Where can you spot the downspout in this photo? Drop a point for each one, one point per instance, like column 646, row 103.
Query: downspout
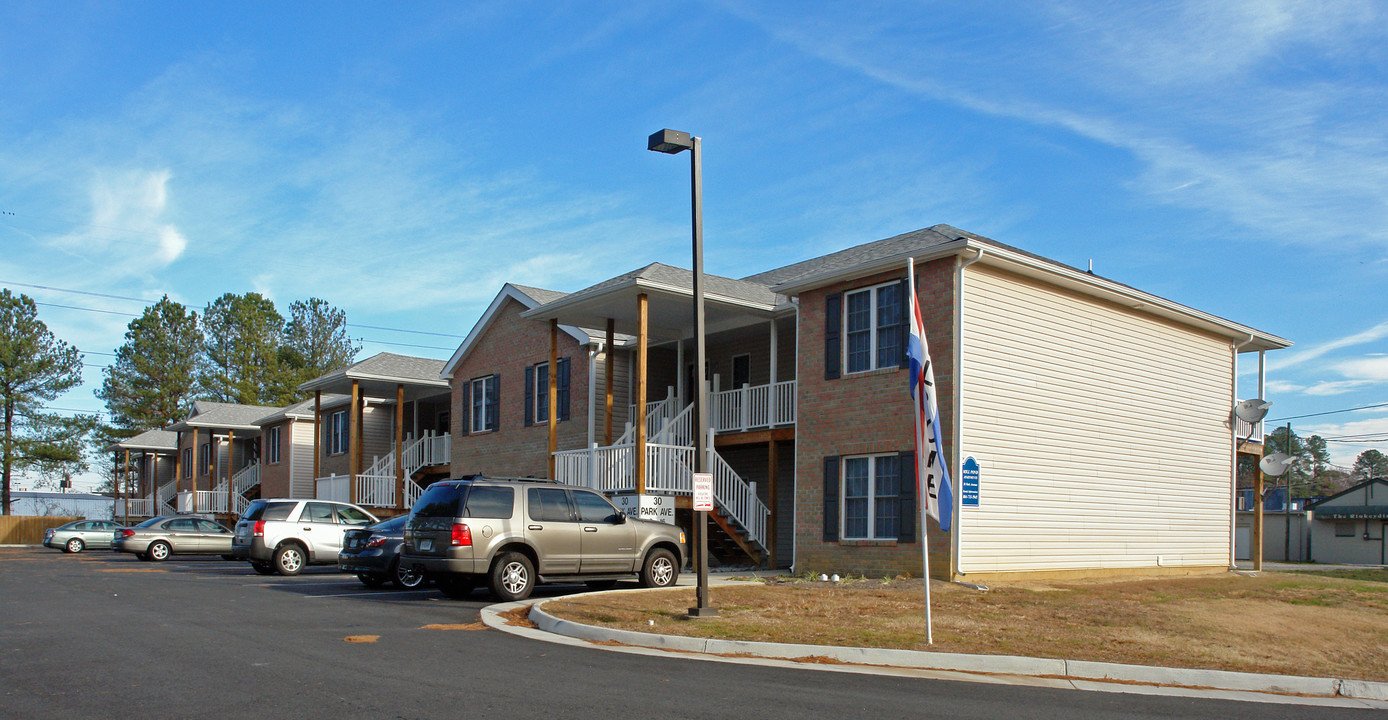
column 1234, row 458
column 956, row 459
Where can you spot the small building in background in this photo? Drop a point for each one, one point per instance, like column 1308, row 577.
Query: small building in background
column 56, row 504
column 1349, row 527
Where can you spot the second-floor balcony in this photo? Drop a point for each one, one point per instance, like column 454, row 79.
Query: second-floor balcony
column 752, row 407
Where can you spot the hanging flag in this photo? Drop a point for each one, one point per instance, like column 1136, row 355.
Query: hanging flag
column 932, row 474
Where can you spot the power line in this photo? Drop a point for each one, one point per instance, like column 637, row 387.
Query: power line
column 1328, row 412
column 95, row 310
column 145, row 300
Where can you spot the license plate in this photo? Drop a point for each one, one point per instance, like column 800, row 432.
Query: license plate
column 426, row 544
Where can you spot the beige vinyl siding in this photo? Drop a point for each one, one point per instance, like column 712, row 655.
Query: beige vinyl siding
column 378, row 433
column 1102, row 433
column 300, row 454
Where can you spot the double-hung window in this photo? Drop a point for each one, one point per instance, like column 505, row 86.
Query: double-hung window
column 537, row 392
column 272, row 445
column 205, row 453
column 187, row 462
column 482, row 414
column 871, row 493
column 873, row 323
column 337, row 433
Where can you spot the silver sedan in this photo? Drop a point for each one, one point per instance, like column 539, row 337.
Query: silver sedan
column 158, row 538
column 77, row 536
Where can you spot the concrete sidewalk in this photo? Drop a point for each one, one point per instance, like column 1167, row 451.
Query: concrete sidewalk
column 1072, row 674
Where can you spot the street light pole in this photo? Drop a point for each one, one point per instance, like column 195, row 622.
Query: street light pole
column 673, row 142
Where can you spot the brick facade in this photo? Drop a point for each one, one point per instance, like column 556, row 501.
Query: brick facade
column 510, row 345
column 863, row 413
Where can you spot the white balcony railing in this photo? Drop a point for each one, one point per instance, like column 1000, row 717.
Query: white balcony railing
column 168, row 494
column 372, row 490
column 752, row 407
column 1248, row 432
column 246, row 478
column 203, row 501
column 334, row 487
column 134, row 507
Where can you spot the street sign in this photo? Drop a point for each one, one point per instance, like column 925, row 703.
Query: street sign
column 703, row 492
column 647, row 507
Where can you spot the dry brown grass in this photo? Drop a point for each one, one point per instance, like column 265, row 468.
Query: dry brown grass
column 1283, row 623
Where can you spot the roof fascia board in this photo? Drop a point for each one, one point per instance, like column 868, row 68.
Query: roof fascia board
column 508, row 292
column 441, row 383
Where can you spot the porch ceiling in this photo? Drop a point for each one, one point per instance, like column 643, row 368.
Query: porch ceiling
column 382, row 388
column 671, row 312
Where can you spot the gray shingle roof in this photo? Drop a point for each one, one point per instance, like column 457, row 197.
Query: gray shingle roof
column 398, row 366
column 916, row 240
column 150, row 440
column 216, row 414
column 681, row 278
column 539, row 295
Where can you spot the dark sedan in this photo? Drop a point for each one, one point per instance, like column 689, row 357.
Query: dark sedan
column 158, row 538
column 373, row 553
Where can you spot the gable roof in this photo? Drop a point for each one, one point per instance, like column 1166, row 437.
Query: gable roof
column 530, row 298
column 944, row 241
column 223, row 416
column 1348, row 508
column 150, row 440
column 303, row 410
column 386, row 367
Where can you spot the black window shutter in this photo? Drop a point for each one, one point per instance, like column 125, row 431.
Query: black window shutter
column 831, row 498
column 833, row 330
column 905, row 315
column 494, row 402
column 563, row 384
column 906, row 504
column 529, row 395
column 466, row 414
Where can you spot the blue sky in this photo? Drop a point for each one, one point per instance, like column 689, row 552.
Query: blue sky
column 402, row 161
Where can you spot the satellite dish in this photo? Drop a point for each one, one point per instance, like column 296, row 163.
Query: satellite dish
column 1276, row 464
column 1252, row 411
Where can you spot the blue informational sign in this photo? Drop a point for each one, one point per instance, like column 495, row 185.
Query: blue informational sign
column 968, row 485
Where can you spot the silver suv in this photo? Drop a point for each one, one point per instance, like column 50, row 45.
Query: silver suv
column 512, row 533
column 284, row 535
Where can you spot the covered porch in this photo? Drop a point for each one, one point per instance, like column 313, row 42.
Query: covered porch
column 218, row 460
column 144, row 475
column 397, row 415
column 749, row 376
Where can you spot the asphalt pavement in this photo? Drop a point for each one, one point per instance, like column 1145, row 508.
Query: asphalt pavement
column 102, row 635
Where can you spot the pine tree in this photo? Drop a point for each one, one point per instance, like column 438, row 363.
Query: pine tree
column 35, row 367
column 1370, row 464
column 241, row 342
column 152, row 382
column 315, row 343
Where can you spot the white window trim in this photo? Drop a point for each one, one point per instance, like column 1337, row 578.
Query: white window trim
column 536, row 385
column 477, row 415
column 272, row 446
column 871, row 496
column 337, row 433
column 872, row 328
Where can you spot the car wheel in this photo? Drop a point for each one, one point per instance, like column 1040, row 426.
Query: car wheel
column 263, row 568
column 75, row 545
column 660, row 570
column 405, row 577
column 289, row 559
column 456, row 587
column 600, row 584
column 512, row 577
column 159, row 550
column 371, row 581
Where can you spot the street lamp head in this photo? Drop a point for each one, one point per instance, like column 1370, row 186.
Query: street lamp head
column 669, row 141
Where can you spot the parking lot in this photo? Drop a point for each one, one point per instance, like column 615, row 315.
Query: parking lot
column 99, row 634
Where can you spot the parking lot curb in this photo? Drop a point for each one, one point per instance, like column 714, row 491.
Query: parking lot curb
column 1089, row 673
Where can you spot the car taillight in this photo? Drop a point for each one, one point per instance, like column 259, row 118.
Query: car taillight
column 126, row 533
column 259, row 529
column 462, row 535
column 375, row 541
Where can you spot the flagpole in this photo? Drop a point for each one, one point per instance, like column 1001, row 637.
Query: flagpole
column 922, row 492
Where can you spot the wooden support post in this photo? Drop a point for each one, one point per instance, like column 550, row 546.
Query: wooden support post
column 231, row 469
column 399, row 446
column 317, row 435
column 772, row 462
column 642, row 342
column 610, row 359
column 124, row 475
column 178, row 466
column 354, row 441
column 553, row 393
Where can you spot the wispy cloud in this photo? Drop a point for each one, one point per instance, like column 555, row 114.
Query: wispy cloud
column 1290, row 359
